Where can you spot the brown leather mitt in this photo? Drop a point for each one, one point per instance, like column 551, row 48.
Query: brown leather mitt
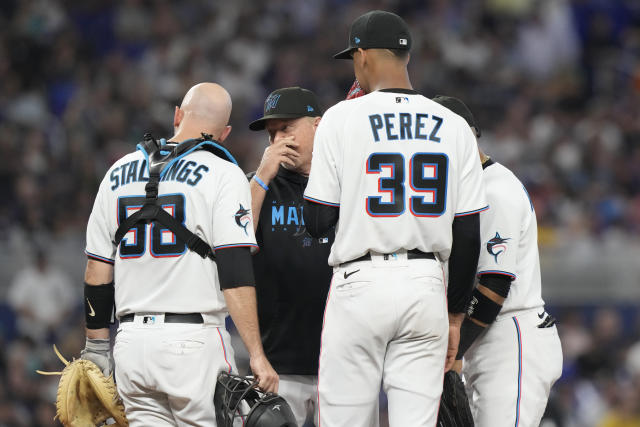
column 85, row 396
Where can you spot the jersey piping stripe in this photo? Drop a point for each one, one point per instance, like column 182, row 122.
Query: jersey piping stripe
column 324, row 318
column 236, row 245
column 472, row 212
column 99, row 258
column 504, row 273
column 446, row 303
column 515, row 321
column 224, row 350
column 321, row 202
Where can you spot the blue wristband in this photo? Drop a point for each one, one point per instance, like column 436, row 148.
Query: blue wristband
column 260, row 183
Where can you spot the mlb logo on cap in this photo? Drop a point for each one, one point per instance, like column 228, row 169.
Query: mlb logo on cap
column 403, row 42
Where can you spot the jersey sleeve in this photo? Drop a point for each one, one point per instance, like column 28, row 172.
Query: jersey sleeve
column 232, row 217
column 500, row 235
column 100, row 245
column 324, row 184
column 471, row 197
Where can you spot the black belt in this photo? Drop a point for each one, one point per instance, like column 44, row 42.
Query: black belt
column 169, row 317
column 411, row 254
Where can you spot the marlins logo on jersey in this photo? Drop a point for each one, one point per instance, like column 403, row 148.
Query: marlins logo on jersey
column 243, row 218
column 497, row 245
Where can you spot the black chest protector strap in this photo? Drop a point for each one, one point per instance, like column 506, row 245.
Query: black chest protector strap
column 159, row 159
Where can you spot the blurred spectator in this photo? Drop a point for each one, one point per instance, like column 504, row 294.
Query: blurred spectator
column 42, row 297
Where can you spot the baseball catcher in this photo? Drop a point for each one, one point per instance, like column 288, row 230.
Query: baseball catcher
column 85, row 396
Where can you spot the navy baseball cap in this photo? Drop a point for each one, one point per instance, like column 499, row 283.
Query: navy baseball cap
column 377, row 30
column 288, row 103
column 458, row 107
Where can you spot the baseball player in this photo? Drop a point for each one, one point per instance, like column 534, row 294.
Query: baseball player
column 400, row 176
column 171, row 293
column 292, row 275
column 511, row 348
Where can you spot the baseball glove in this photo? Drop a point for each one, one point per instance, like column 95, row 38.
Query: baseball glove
column 454, row 405
column 85, row 396
column 355, row 91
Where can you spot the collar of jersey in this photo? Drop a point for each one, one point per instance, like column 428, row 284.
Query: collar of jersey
column 226, row 155
column 291, row 175
column 488, row 163
column 399, row 90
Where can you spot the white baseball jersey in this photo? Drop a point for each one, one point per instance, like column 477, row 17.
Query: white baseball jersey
column 400, row 167
column 509, row 232
column 153, row 271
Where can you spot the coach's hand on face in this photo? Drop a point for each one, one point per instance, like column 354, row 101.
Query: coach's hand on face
column 282, row 150
column 264, row 372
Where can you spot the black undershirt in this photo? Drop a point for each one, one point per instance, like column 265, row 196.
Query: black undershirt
column 292, row 278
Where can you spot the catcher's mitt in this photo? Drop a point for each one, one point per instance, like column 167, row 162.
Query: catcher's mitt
column 454, row 405
column 85, row 396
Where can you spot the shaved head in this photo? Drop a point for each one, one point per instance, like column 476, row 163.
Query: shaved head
column 207, row 107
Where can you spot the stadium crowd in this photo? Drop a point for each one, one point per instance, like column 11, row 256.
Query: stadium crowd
column 554, row 85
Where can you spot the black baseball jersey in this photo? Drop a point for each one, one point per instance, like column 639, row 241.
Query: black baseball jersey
column 292, row 278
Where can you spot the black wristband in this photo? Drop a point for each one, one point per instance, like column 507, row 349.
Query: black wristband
column 483, row 308
column 99, row 305
column 469, row 332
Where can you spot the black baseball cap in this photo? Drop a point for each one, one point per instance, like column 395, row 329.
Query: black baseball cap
column 288, row 103
column 377, row 30
column 458, row 107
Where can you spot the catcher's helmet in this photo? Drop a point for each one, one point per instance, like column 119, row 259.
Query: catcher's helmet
column 237, row 397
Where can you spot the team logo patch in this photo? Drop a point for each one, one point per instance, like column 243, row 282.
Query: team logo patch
column 271, row 102
column 497, row 245
column 243, row 218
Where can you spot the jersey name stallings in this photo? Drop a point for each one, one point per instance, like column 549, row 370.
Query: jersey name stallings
column 181, row 171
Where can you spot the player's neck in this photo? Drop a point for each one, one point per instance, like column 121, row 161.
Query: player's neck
column 483, row 158
column 394, row 79
column 185, row 133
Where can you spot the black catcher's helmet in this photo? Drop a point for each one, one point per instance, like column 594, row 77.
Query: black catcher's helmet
column 237, row 397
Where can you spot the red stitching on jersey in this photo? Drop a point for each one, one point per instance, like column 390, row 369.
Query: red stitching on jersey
column 224, row 350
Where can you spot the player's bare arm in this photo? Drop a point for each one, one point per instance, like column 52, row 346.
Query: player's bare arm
column 237, row 283
column 98, row 304
column 281, row 151
column 242, row 306
column 455, row 322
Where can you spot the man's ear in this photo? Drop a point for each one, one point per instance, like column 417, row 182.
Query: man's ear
column 225, row 133
column 363, row 56
column 316, row 122
column 178, row 115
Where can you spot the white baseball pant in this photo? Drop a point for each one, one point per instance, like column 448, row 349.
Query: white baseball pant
column 510, row 369
column 301, row 393
column 166, row 372
column 385, row 323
